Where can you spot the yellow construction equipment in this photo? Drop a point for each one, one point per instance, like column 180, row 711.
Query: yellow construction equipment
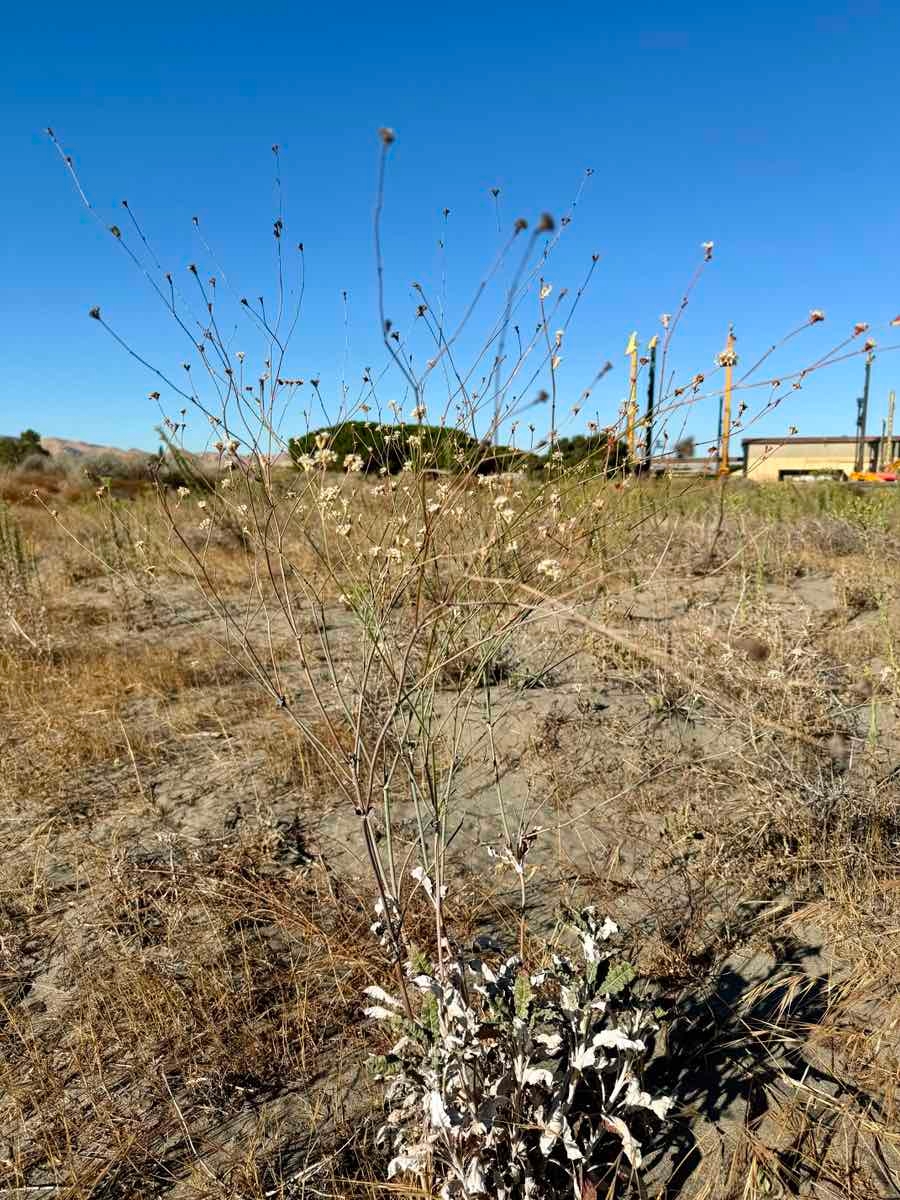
column 887, row 474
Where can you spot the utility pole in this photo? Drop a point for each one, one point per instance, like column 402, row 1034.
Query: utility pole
column 651, row 399
column 631, row 410
column 727, row 359
column 862, row 413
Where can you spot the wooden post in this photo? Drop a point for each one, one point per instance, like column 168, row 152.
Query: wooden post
column 887, row 442
column 727, row 359
column 631, row 412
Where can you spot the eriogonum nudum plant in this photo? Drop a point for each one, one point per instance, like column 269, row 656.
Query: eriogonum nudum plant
column 511, row 1084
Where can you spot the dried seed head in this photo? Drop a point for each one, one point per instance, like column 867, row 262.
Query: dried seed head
column 816, row 315
column 839, row 748
column 94, row 313
column 754, row 647
column 546, row 224
column 520, row 224
column 707, row 248
column 115, row 231
column 387, row 135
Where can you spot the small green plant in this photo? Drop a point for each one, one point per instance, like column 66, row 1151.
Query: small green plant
column 16, row 564
column 21, row 602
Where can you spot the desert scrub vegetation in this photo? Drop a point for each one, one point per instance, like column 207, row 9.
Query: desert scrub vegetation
column 187, row 895
column 317, row 731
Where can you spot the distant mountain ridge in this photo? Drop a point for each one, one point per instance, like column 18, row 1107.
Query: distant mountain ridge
column 70, row 447
column 73, row 449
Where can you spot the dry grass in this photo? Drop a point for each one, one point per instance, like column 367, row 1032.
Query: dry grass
column 184, row 912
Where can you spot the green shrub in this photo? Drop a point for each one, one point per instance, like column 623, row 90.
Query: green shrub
column 387, row 447
column 14, row 451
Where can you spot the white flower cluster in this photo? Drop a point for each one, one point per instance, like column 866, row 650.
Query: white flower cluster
column 322, row 457
column 551, row 568
column 503, row 510
column 516, row 1085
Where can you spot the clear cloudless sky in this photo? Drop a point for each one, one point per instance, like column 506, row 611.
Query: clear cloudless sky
column 769, row 127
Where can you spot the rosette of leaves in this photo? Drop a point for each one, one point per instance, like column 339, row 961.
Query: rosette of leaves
column 512, row 1084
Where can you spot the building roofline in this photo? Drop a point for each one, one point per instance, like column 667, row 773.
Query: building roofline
column 808, row 441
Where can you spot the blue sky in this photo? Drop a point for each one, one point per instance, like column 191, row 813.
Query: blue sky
column 769, row 128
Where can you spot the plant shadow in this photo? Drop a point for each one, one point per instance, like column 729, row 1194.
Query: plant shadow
column 729, row 1052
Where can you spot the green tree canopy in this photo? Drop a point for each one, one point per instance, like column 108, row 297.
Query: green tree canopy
column 14, row 450
column 388, row 447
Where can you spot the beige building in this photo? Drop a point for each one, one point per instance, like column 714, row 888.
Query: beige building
column 767, row 459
